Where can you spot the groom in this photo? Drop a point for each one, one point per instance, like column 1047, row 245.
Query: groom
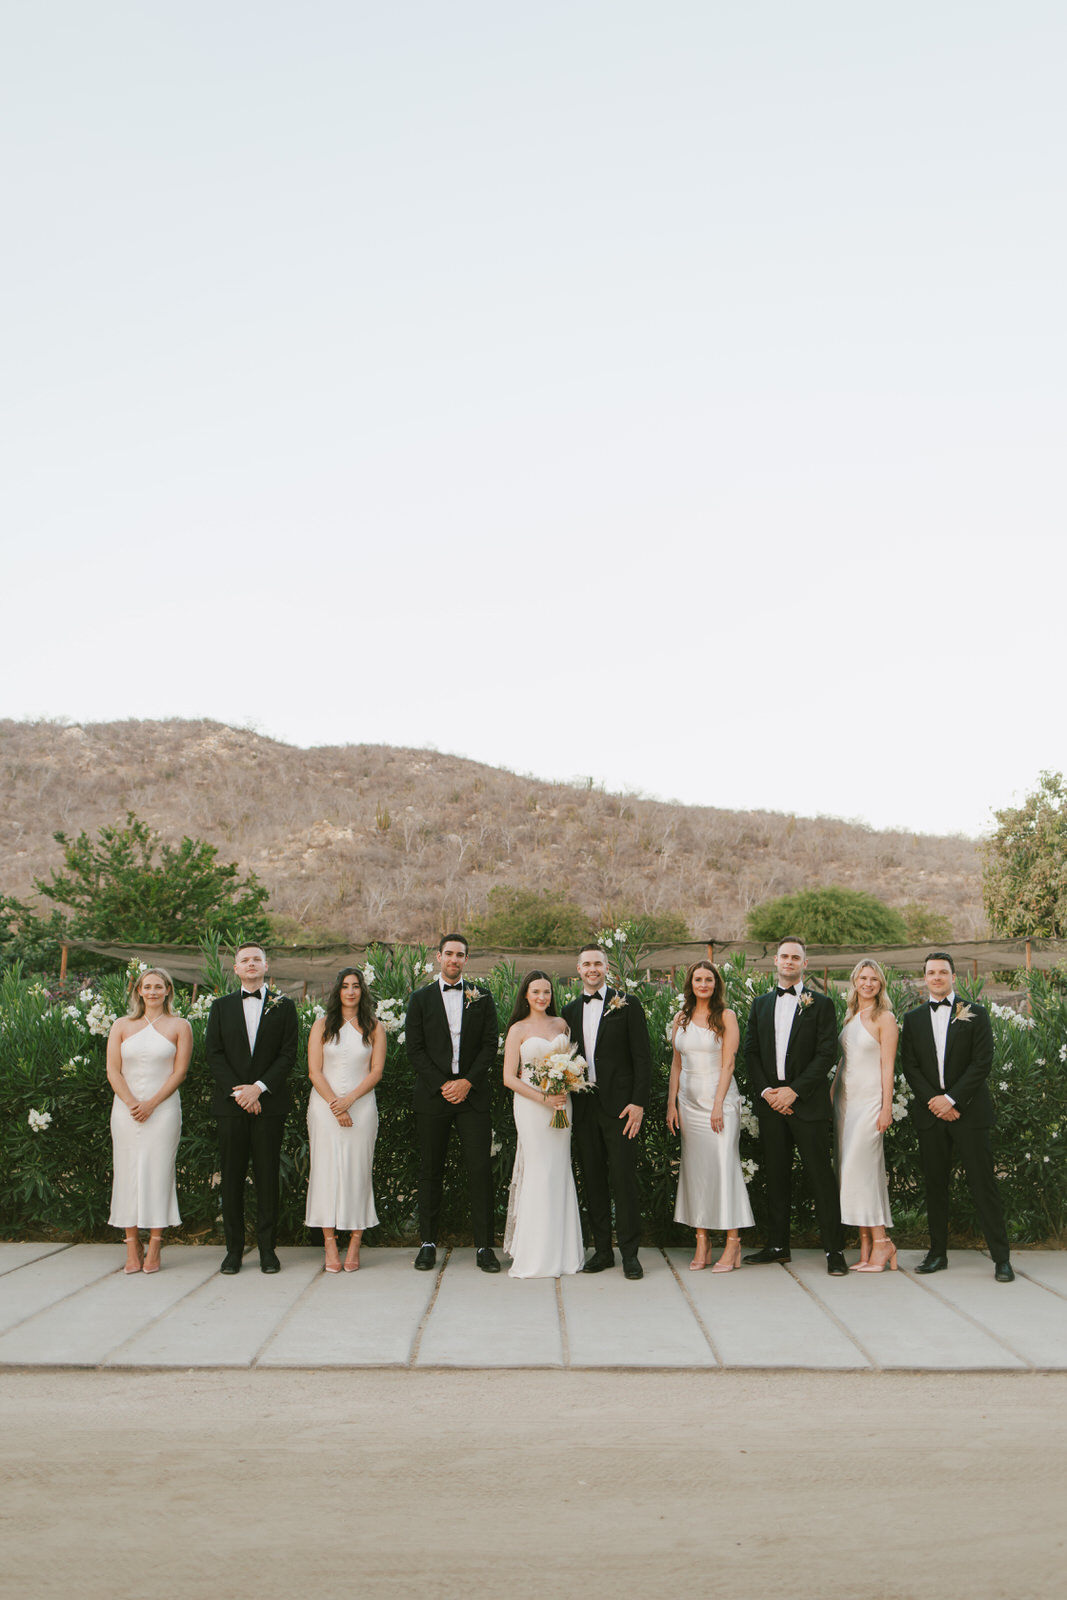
column 790, row 1048
column 946, row 1051
column 451, row 1040
column 610, row 1030
column 250, row 1046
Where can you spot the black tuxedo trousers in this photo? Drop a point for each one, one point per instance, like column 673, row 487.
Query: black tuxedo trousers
column 779, row 1137
column 259, row 1140
column 474, row 1131
column 940, row 1147
column 607, row 1160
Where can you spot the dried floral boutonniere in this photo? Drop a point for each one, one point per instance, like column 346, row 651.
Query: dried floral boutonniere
column 471, row 994
column 962, row 1013
column 273, row 998
column 805, row 999
column 616, row 1002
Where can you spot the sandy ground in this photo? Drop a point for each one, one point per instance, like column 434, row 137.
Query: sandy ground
column 134, row 1486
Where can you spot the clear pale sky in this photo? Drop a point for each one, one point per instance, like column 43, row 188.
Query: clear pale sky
column 669, row 393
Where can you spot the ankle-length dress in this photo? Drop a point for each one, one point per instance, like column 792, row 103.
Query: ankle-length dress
column 711, row 1185
column 543, row 1234
column 340, row 1183
column 144, row 1193
column 860, row 1157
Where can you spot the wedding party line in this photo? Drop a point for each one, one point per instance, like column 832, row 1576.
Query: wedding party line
column 580, row 1080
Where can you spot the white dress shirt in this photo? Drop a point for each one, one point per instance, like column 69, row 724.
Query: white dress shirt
column 592, row 1011
column 453, row 1000
column 939, row 1021
column 785, row 1009
column 253, row 1010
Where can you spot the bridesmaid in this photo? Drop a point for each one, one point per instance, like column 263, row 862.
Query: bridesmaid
column 703, row 1099
column 148, row 1053
column 862, row 1094
column 346, row 1055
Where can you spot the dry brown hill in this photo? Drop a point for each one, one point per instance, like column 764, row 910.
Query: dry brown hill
column 374, row 842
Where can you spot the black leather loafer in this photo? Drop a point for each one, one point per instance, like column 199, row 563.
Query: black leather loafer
column 770, row 1252
column 632, row 1268
column 487, row 1261
column 1003, row 1272
column 933, row 1263
column 599, row 1261
column 836, row 1265
column 426, row 1259
column 268, row 1261
column 231, row 1264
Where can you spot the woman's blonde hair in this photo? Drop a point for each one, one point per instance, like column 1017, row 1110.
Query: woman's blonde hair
column 881, row 1002
column 137, row 999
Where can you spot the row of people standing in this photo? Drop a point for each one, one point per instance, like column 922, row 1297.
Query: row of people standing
column 791, row 1044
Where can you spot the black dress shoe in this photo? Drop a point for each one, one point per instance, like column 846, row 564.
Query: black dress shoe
column 770, row 1252
column 1003, row 1272
column 268, row 1261
column 426, row 1259
column 632, row 1268
column 486, row 1260
column 231, row 1264
column 836, row 1265
column 932, row 1263
column 599, row 1261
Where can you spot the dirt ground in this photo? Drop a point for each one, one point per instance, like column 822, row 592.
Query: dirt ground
column 150, row 1486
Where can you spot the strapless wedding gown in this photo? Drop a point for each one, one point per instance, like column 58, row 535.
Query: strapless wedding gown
column 711, row 1185
column 340, row 1189
column 143, row 1192
column 543, row 1235
column 860, row 1156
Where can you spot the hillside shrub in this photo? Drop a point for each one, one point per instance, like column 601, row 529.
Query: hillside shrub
column 828, row 916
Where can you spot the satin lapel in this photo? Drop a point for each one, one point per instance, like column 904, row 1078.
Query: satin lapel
column 608, row 997
column 954, row 1030
column 765, row 1024
column 263, row 1015
column 241, row 1031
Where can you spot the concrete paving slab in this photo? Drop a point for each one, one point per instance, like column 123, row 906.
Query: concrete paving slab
column 483, row 1319
column 1028, row 1319
column 13, row 1256
column 762, row 1317
column 611, row 1322
column 367, row 1318
column 227, row 1321
column 898, row 1324
column 83, row 1330
column 44, row 1282
column 1047, row 1267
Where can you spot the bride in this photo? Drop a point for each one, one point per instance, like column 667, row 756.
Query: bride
column 544, row 1233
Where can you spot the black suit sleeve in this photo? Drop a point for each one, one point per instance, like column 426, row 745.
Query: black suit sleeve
column 274, row 1075
column 478, row 1070
column 963, row 1089
column 814, row 1073
column 220, row 1067
column 923, row 1087
column 430, row 1076
column 754, row 1069
column 640, row 1053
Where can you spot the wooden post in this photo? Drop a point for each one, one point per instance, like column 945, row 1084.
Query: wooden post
column 1029, row 956
column 195, row 988
column 826, row 980
column 711, row 949
column 305, row 993
column 63, row 963
column 975, row 968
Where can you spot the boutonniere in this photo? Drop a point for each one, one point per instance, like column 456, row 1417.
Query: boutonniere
column 962, row 1013
column 616, row 1002
column 471, row 995
column 273, row 998
column 804, row 999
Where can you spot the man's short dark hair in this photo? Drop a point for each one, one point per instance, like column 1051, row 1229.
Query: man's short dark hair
column 452, row 938
column 249, row 944
column 790, row 938
column 599, row 948
column 939, row 955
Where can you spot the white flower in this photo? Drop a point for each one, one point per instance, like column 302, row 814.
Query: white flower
column 39, row 1120
column 1004, row 1084
column 99, row 1020
column 86, row 997
column 1063, row 1052
column 216, row 1179
column 75, row 1015
column 427, row 966
column 749, row 1168
column 496, row 1147
column 369, row 974
column 1040, row 1062
column 401, row 1036
column 1044, row 1158
column 620, row 934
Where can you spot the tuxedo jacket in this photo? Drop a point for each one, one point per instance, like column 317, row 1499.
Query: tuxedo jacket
column 968, row 1058
column 809, row 1058
column 231, row 1061
column 428, row 1042
column 622, row 1055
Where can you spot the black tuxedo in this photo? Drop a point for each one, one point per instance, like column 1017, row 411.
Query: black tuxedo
column 810, row 1056
column 607, row 1158
column 244, row 1134
column 428, row 1042
column 968, row 1058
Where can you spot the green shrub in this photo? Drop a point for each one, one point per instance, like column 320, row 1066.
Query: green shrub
column 521, row 919
column 828, row 916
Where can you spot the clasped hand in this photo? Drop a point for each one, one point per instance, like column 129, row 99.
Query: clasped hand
column 942, row 1107
column 781, row 1099
column 339, row 1106
column 456, row 1090
column 247, row 1097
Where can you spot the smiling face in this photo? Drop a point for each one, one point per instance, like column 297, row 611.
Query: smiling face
column 939, row 978
column 868, row 985
column 451, row 959
column 790, row 964
column 251, row 966
column 153, row 991
column 592, row 969
column 703, row 983
column 351, row 990
column 539, row 994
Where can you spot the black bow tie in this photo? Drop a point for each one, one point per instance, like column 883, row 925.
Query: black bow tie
column 251, row 994
column 587, row 997
column 935, row 1003
column 782, row 992
column 447, row 986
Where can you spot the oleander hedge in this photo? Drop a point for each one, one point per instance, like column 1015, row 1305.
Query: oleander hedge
column 55, row 1105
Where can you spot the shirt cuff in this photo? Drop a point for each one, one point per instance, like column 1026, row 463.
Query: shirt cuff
column 949, row 1098
column 262, row 1086
column 765, row 1093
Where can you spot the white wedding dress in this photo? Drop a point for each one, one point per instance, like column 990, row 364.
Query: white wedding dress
column 340, row 1187
column 543, row 1235
column 143, row 1192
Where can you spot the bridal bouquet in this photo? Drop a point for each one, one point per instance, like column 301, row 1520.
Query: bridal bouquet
column 562, row 1072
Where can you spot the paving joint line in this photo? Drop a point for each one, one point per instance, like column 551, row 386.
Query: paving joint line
column 416, row 1343
column 278, row 1326
column 55, row 1250
column 71, row 1295
column 931, row 1289
column 1021, row 1273
column 701, row 1324
column 195, row 1289
column 834, row 1318
column 564, row 1336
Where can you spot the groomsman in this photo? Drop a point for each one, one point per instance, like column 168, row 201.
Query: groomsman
column 946, row 1053
column 610, row 1030
column 790, row 1049
column 451, row 1040
column 251, row 1048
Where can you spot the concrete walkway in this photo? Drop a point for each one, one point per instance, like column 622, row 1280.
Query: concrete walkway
column 72, row 1306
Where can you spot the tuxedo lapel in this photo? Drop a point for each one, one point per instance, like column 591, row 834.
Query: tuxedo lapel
column 765, row 1024
column 239, row 1031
